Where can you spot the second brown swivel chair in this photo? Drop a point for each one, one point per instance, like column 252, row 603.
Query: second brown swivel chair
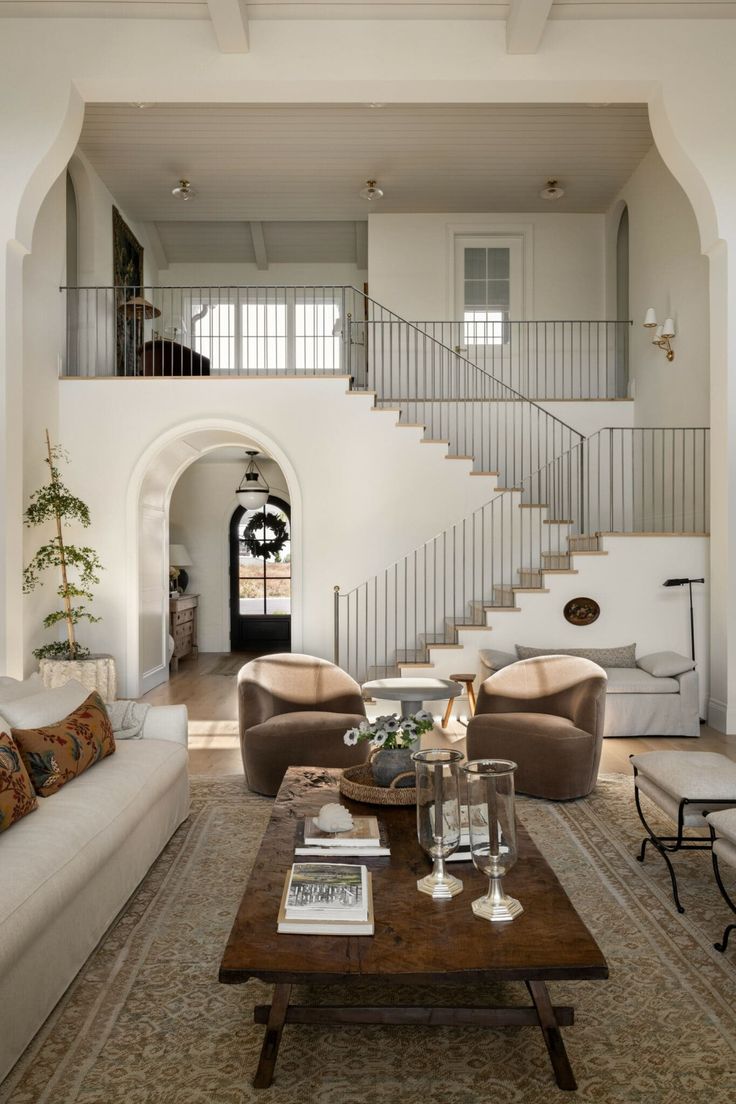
column 545, row 714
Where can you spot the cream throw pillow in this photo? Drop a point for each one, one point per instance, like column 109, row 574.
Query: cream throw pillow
column 45, row 708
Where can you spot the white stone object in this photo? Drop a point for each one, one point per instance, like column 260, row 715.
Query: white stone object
column 97, row 672
column 334, row 818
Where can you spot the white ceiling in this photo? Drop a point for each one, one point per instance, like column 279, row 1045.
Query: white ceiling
column 297, row 168
column 372, row 9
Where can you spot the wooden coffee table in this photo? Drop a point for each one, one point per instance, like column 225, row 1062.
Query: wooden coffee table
column 417, row 940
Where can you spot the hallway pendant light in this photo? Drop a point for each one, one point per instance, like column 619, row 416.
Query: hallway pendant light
column 253, row 490
column 371, row 191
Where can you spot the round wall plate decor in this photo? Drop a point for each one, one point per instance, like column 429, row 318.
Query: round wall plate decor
column 582, row 611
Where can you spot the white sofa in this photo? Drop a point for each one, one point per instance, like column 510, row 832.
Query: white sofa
column 67, row 869
column 645, row 699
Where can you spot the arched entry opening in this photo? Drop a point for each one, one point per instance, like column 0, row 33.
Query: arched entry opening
column 157, row 475
column 622, row 304
column 260, row 577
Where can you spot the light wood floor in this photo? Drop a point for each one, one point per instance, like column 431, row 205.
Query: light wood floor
column 211, row 699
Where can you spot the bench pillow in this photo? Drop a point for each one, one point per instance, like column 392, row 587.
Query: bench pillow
column 57, row 753
column 665, row 664
column 625, row 656
column 17, row 797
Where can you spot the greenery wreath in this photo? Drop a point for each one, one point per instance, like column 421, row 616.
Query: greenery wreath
column 269, row 547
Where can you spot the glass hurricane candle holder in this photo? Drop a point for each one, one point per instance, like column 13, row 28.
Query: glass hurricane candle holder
column 438, row 817
column 492, row 824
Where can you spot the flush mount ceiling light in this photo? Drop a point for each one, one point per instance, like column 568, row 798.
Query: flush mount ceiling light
column 253, row 490
column 183, row 190
column 371, row 191
column 375, row 105
column 552, row 190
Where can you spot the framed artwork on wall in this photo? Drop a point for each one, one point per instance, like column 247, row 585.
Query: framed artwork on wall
column 127, row 278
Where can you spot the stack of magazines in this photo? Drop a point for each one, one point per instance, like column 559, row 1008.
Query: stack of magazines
column 327, row 899
column 366, row 837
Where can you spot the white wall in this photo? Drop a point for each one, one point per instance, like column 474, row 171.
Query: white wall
column 635, row 607
column 369, row 492
column 276, row 275
column 43, row 329
column 94, row 218
column 202, row 505
column 411, row 262
column 667, row 272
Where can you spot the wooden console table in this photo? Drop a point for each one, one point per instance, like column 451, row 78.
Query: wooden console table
column 183, row 627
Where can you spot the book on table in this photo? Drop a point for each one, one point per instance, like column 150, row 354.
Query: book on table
column 368, row 836
column 327, row 898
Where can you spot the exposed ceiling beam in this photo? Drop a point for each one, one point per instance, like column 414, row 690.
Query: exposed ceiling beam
column 259, row 245
column 525, row 25
column 230, row 23
column 157, row 246
column 361, row 245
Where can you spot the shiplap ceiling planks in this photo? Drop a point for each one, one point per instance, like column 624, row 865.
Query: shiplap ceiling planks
column 296, row 169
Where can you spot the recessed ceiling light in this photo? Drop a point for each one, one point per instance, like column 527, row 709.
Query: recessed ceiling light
column 374, row 104
column 140, row 104
column 552, row 190
column 183, row 190
column 371, row 191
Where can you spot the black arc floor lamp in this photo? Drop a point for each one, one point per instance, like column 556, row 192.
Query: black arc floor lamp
column 689, row 584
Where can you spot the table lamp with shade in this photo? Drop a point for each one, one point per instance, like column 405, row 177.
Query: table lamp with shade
column 180, row 559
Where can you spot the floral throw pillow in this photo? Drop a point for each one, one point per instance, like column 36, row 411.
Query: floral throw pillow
column 57, row 753
column 16, row 792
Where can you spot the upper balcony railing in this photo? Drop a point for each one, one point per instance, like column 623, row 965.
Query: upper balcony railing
column 235, row 332
column 545, row 359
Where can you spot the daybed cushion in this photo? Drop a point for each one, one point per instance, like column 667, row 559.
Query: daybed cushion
column 665, row 664
column 630, row 680
column 58, row 753
column 624, row 656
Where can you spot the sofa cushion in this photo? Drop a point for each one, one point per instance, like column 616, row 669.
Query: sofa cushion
column 11, row 689
column 72, row 837
column 630, row 680
column 43, row 707
column 55, row 754
column 308, row 721
column 17, row 797
column 625, row 656
column 665, row 664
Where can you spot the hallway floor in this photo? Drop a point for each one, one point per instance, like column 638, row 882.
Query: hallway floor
column 208, row 687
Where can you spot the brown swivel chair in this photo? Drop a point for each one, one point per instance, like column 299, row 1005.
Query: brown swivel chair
column 294, row 710
column 546, row 714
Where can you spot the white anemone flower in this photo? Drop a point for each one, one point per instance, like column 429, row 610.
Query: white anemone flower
column 379, row 739
column 351, row 737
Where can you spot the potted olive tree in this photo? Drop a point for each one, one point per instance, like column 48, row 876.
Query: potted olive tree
column 78, row 568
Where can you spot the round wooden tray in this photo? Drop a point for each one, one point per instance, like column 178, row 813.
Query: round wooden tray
column 357, row 784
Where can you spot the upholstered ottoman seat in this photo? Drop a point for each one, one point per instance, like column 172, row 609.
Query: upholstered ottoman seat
column 723, row 835
column 684, row 785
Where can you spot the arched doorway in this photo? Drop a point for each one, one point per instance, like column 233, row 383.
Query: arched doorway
column 622, row 304
column 150, row 491
column 260, row 577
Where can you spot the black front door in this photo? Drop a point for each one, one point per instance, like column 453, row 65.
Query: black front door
column 260, row 578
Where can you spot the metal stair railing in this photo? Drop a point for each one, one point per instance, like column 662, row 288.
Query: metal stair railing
column 636, row 480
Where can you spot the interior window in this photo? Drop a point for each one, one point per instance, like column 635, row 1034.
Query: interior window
column 487, row 294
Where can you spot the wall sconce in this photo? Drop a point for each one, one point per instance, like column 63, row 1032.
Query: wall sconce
column 662, row 334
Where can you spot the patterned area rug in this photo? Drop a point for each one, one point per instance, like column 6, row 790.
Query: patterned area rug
column 146, row 1021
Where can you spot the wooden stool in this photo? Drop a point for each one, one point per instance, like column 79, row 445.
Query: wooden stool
column 466, row 681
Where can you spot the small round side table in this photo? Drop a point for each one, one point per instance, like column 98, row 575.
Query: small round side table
column 467, row 681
